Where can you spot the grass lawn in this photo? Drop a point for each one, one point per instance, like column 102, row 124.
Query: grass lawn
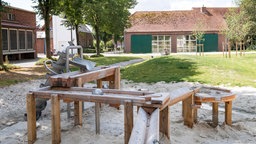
column 209, row 69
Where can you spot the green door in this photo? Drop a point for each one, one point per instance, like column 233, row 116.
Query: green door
column 141, row 43
column 210, row 42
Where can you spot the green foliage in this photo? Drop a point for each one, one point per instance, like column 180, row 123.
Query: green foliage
column 210, row 69
column 198, row 32
column 7, row 67
column 248, row 8
column 109, row 16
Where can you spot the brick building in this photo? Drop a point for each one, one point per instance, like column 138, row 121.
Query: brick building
column 18, row 33
column 157, row 31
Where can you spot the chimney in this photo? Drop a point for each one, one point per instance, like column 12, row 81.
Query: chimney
column 203, row 9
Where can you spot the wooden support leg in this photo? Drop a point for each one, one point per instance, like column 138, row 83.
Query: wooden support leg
column 165, row 122
column 128, row 121
column 188, row 111
column 215, row 112
column 56, row 133
column 97, row 117
column 31, row 118
column 228, row 113
column 78, row 111
column 115, row 84
column 195, row 112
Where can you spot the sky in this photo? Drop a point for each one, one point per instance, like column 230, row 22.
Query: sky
column 148, row 5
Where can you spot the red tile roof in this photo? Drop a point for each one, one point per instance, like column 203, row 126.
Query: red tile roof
column 176, row 21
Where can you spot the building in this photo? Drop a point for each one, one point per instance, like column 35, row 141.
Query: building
column 19, row 33
column 60, row 35
column 158, row 31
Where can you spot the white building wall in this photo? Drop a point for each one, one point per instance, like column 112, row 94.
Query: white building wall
column 61, row 34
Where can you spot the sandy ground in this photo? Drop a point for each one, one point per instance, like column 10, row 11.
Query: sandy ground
column 13, row 129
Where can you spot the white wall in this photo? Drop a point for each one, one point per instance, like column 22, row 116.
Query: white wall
column 61, row 34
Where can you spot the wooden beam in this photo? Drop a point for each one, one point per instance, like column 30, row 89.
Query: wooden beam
column 97, row 118
column 78, row 111
column 188, row 111
column 153, row 129
column 215, row 111
column 128, row 120
column 56, row 130
column 165, row 122
column 228, row 113
column 31, row 118
column 138, row 134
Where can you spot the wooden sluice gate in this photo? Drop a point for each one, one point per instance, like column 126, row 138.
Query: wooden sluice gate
column 154, row 107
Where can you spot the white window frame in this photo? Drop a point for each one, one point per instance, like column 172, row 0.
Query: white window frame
column 164, row 41
column 19, row 39
column 183, row 44
column 16, row 40
column 26, row 39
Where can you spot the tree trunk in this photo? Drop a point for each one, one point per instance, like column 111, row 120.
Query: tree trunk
column 1, row 41
column 47, row 33
column 77, row 37
column 97, row 32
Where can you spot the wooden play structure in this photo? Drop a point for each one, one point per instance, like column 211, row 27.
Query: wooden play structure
column 216, row 96
column 68, row 87
column 153, row 108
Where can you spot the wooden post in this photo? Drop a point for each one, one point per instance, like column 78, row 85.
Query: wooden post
column 128, row 120
column 56, row 131
column 153, row 129
column 115, row 84
column 188, row 111
column 165, row 122
column 236, row 48
column 78, row 107
column 215, row 111
column 97, row 117
column 223, row 47
column 78, row 111
column 228, row 113
column 31, row 118
column 240, row 48
column 229, row 50
column 195, row 111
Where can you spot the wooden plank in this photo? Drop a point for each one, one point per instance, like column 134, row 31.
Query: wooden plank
column 228, row 113
column 153, row 129
column 128, row 120
column 97, row 118
column 78, row 113
column 195, row 111
column 139, row 130
column 165, row 122
column 215, row 111
column 188, row 111
column 56, row 133
column 31, row 118
column 181, row 94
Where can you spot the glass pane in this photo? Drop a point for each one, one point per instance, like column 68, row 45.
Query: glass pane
column 160, row 37
column 13, row 39
column 154, row 37
column 22, row 39
column 167, row 37
column 5, row 39
column 29, row 40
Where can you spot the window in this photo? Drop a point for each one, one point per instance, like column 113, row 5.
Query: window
column 5, row 39
column 22, row 40
column 161, row 43
column 29, row 40
column 13, row 39
column 186, row 43
column 11, row 16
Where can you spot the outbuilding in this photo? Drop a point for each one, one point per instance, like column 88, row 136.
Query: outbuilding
column 172, row 31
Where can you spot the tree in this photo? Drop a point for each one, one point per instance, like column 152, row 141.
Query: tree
column 198, row 33
column 72, row 11
column 2, row 10
column 109, row 16
column 46, row 8
column 248, row 8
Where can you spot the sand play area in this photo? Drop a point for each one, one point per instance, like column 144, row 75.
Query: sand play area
column 13, row 128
